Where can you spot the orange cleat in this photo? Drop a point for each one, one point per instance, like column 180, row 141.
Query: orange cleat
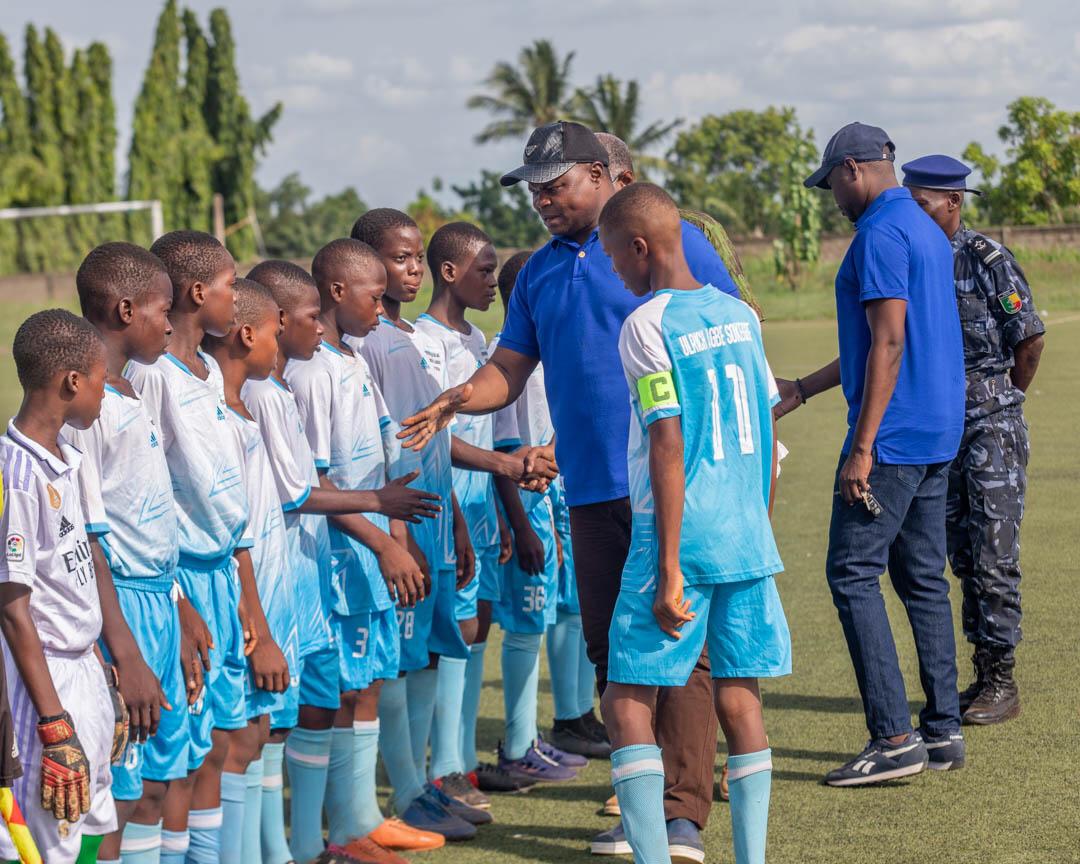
column 395, row 834
column 367, row 850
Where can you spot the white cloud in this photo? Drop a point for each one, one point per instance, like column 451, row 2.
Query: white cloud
column 386, row 92
column 317, row 66
column 301, row 98
column 464, row 70
column 692, row 88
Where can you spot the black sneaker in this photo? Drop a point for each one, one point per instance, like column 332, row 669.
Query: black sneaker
column 597, row 730
column 494, row 778
column 458, row 787
column 574, row 736
column 882, row 760
column 946, row 752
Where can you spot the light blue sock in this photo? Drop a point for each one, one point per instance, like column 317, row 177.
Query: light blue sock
column 251, row 842
column 470, row 705
column 139, row 844
column 521, row 677
column 365, row 798
column 233, row 799
column 174, row 846
column 562, row 652
column 275, row 848
column 446, row 728
column 750, row 784
column 421, row 689
column 637, row 773
column 204, row 831
column 340, row 818
column 307, row 754
column 586, row 675
column 395, row 744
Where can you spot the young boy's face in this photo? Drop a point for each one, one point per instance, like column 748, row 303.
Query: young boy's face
column 149, row 330
column 402, row 253
column 475, row 285
column 302, row 333
column 87, row 389
column 361, row 299
column 629, row 259
column 262, row 352
column 219, row 299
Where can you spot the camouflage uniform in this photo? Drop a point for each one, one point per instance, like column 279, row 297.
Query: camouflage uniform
column 988, row 478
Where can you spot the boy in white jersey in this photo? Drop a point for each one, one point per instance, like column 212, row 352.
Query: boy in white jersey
column 702, row 463
column 274, row 407
column 267, row 588
column 182, row 391
column 130, row 516
column 66, row 729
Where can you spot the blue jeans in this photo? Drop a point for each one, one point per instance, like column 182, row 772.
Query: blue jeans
column 908, row 538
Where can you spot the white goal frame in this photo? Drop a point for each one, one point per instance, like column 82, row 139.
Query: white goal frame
column 157, row 219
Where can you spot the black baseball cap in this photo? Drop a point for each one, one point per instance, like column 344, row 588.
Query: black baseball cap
column 855, row 141
column 554, row 149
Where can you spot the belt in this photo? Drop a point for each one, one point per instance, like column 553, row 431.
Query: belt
column 151, row 584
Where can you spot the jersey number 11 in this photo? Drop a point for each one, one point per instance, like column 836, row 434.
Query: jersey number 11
column 742, row 411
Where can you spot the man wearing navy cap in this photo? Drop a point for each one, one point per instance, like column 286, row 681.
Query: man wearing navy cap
column 902, row 372
column 1003, row 338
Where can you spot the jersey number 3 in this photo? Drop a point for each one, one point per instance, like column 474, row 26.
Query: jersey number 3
column 742, row 411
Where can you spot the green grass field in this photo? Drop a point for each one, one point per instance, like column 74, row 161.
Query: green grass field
column 1017, row 800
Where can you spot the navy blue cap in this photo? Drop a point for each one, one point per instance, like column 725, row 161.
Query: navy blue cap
column 937, row 172
column 855, row 141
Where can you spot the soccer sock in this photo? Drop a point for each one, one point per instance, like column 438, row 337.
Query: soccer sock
column 140, row 844
column 470, row 705
column 446, row 729
column 586, row 675
column 395, row 744
column 88, row 848
column 421, row 689
column 521, row 676
column 307, row 753
column 231, row 826
column 275, row 848
column 251, row 836
column 174, row 846
column 368, row 816
column 339, row 779
column 204, row 832
column 562, row 652
column 749, row 784
column 637, row 773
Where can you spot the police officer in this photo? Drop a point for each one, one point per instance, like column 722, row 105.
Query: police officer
column 1003, row 338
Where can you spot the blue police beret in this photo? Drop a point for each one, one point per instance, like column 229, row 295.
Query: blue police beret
column 937, row 172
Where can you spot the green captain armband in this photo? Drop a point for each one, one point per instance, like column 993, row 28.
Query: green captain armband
column 657, row 391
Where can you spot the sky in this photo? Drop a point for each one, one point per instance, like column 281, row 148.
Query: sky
column 374, row 92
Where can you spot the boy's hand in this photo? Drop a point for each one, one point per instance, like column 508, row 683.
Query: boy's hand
column 530, row 551
column 790, row 398
column 269, row 667
column 671, row 609
column 121, row 717
column 417, row 430
column 413, row 548
column 398, row 501
column 466, row 556
column 506, row 541
column 65, row 770
column 141, row 692
column 248, row 626
column 404, row 579
column 559, row 553
column 196, row 642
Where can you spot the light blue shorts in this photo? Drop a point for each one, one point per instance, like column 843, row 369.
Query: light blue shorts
column 320, row 679
column 484, row 586
column 528, row 604
column 150, row 611
column 283, row 708
column 368, row 648
column 742, row 622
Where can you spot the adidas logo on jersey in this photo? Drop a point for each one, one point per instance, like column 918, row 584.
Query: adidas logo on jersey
column 423, row 363
column 153, row 439
column 220, row 414
column 367, row 392
column 65, row 526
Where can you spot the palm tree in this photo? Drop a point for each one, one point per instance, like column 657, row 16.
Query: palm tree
column 534, row 92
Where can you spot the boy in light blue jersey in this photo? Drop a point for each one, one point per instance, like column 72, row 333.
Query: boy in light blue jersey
column 702, row 462
column 127, row 501
column 267, row 583
column 183, row 392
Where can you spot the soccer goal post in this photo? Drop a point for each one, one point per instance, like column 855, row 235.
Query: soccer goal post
column 157, row 219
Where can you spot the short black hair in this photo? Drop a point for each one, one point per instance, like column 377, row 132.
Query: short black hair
column 509, row 273
column 373, row 225
column 637, row 203
column 288, row 282
column 620, row 159
column 52, row 341
column 452, row 242
column 336, row 255
column 254, row 303
column 190, row 257
column 111, row 272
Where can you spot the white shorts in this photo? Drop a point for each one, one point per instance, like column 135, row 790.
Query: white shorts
column 80, row 684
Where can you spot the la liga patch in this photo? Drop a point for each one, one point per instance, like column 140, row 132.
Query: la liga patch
column 16, row 547
column 1010, row 301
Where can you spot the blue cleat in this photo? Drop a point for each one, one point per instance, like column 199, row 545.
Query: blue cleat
column 426, row 814
column 684, row 842
column 463, row 811
column 536, row 767
column 549, row 751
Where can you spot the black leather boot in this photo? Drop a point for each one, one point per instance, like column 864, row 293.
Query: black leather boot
column 980, row 660
column 999, row 700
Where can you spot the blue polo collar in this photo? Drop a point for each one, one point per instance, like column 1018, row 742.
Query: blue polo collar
column 884, row 198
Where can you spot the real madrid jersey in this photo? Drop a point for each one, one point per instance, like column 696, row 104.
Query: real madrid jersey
column 410, row 371
column 45, row 542
column 204, row 459
column 344, row 416
column 698, row 355
column 465, row 353
column 127, row 495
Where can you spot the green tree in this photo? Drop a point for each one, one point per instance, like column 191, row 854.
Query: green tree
column 535, row 91
column 1038, row 182
column 505, row 213
column 198, row 151
column 733, row 166
column 110, row 226
column 294, row 228
column 430, row 214
column 239, row 138
column 82, row 154
column 799, row 241
column 21, row 174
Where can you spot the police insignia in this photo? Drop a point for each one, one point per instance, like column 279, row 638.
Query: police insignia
column 1010, row 301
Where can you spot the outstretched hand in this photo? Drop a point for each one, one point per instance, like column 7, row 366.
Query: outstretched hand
column 417, row 430
column 790, row 398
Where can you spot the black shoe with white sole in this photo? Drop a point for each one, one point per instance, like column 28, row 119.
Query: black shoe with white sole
column 882, row 760
column 945, row 752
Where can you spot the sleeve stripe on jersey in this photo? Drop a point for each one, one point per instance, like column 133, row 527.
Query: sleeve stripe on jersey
column 97, row 527
column 507, row 442
column 322, row 463
column 299, row 502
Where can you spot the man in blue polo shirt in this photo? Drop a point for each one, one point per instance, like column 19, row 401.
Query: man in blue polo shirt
column 566, row 311
column 901, row 367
